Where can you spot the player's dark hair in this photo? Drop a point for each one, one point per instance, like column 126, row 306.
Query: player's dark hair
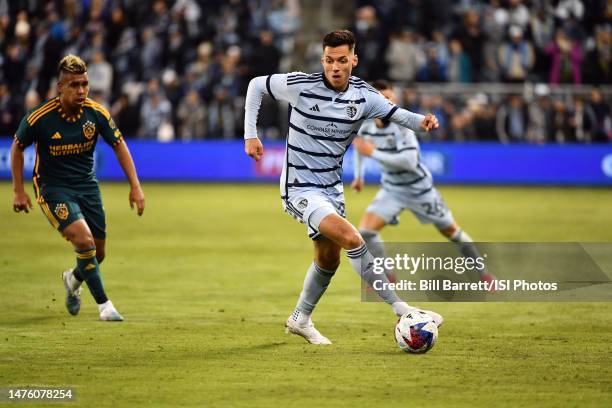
column 339, row 37
column 72, row 64
column 381, row 85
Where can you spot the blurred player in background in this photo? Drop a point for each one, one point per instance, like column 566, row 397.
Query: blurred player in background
column 405, row 184
column 326, row 110
column 65, row 130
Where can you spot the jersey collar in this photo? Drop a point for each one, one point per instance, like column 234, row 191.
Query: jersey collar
column 70, row 119
column 329, row 85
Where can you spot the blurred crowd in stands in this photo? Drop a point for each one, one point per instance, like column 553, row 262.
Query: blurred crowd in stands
column 541, row 117
column 178, row 70
column 467, row 41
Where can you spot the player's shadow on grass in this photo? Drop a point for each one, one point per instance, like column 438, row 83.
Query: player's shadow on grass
column 268, row 346
column 222, row 353
column 33, row 319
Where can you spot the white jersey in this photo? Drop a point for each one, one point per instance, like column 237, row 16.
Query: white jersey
column 395, row 140
column 322, row 124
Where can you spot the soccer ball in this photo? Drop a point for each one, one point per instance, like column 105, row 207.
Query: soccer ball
column 416, row 332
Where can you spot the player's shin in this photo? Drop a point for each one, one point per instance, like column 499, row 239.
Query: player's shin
column 374, row 242
column 376, row 246
column 466, row 246
column 89, row 270
column 362, row 262
column 316, row 282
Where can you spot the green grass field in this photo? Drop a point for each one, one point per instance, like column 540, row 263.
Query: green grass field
column 207, row 277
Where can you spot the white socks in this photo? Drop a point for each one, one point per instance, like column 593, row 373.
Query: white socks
column 362, row 262
column 104, row 305
column 300, row 318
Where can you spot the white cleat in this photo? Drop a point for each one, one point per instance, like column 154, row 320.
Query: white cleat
column 108, row 313
column 308, row 331
column 401, row 308
column 436, row 317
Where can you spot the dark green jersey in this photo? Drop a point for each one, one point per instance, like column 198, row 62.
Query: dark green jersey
column 65, row 145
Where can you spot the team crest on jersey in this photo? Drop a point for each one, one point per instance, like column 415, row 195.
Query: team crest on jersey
column 351, row 111
column 302, row 204
column 89, row 129
column 61, row 210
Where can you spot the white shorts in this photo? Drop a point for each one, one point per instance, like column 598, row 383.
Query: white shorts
column 429, row 208
column 311, row 206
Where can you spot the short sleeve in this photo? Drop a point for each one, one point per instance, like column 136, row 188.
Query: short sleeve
column 25, row 134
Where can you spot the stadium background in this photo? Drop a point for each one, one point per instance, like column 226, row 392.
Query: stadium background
column 519, row 78
column 208, row 275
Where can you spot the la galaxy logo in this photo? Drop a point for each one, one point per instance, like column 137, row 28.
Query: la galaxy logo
column 61, row 210
column 302, row 204
column 89, row 129
column 351, row 111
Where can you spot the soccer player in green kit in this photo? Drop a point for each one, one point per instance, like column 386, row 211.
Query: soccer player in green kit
column 65, row 130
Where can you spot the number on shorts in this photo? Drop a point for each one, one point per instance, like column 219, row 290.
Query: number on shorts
column 437, row 208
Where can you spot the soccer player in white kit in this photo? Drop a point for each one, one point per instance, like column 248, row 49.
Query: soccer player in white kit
column 325, row 111
column 406, row 183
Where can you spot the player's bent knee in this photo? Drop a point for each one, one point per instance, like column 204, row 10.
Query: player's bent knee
column 83, row 242
column 448, row 231
column 352, row 240
column 79, row 235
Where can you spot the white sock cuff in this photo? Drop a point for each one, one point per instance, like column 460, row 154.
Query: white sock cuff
column 300, row 316
column 104, row 305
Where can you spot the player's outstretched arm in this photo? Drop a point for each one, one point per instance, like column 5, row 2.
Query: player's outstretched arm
column 383, row 109
column 414, row 121
column 406, row 158
column 21, row 199
column 127, row 164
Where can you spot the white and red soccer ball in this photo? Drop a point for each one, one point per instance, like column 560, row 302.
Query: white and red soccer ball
column 416, row 332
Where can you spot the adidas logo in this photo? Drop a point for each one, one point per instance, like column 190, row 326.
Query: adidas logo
column 56, row 135
column 315, row 108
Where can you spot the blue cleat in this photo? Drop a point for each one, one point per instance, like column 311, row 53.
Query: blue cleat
column 73, row 297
